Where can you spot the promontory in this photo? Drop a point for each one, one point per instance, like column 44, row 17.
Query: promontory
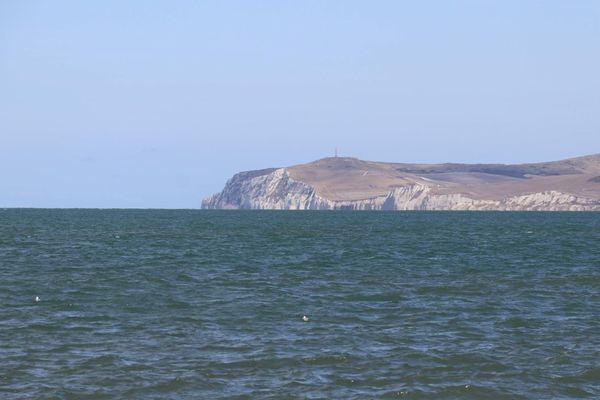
column 348, row 183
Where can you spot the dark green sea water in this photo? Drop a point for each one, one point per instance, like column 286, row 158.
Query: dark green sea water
column 208, row 304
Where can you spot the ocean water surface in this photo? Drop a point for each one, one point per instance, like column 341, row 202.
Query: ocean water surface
column 149, row 304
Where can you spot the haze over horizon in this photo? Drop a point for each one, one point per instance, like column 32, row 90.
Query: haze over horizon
column 158, row 104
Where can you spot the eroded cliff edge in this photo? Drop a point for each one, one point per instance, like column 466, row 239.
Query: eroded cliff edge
column 551, row 187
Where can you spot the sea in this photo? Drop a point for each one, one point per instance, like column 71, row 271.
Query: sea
column 199, row 304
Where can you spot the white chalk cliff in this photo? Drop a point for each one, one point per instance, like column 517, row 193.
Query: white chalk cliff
column 346, row 184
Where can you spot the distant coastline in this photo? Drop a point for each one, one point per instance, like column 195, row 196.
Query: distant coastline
column 336, row 183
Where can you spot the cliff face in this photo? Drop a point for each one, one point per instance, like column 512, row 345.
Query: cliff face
column 276, row 189
column 272, row 190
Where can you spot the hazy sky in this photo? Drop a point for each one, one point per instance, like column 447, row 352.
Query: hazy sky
column 157, row 103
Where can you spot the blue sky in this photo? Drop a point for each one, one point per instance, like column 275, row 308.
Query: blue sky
column 157, row 103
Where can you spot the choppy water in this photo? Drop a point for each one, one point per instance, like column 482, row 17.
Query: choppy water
column 209, row 304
